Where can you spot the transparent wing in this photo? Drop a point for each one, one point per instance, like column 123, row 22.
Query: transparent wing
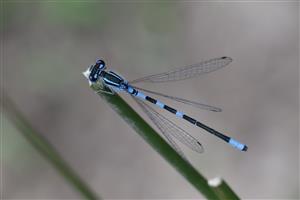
column 185, row 101
column 169, row 130
column 187, row 72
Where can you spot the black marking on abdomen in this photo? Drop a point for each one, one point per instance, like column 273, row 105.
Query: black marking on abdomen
column 172, row 110
column 133, row 92
column 208, row 129
column 191, row 120
column 151, row 99
column 212, row 131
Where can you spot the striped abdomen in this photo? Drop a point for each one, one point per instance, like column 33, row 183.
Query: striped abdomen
column 227, row 139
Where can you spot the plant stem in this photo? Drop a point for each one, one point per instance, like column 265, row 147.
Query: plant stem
column 45, row 148
column 157, row 142
column 224, row 191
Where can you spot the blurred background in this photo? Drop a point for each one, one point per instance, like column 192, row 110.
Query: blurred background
column 48, row 44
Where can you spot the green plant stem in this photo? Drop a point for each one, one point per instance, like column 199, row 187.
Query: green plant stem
column 157, row 142
column 45, row 148
column 225, row 192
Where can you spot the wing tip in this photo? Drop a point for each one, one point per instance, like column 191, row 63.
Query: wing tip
column 216, row 109
column 229, row 59
column 201, row 149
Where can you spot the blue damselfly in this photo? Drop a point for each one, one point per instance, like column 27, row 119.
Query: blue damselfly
column 115, row 83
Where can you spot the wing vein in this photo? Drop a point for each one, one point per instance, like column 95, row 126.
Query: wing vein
column 184, row 101
column 187, row 72
column 169, row 130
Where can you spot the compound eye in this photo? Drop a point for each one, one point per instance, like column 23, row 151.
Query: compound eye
column 101, row 64
column 96, row 70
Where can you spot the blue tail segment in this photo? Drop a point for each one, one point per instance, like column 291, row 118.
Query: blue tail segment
column 237, row 145
column 227, row 139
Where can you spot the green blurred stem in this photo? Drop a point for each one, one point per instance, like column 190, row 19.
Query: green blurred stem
column 225, row 192
column 161, row 146
column 45, row 148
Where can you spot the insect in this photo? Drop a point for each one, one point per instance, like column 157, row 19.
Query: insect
column 115, row 83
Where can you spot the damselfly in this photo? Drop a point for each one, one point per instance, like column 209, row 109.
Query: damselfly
column 115, row 83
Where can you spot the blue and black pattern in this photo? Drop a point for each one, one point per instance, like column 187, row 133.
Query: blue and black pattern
column 115, row 82
column 193, row 121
